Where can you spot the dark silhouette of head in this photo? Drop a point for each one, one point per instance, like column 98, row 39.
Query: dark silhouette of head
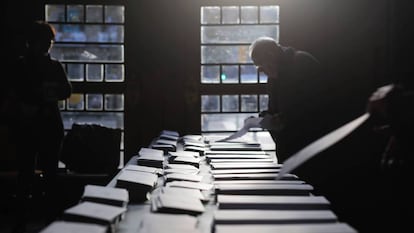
column 40, row 38
column 266, row 54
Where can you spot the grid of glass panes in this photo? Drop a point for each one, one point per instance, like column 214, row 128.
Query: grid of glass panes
column 226, row 33
column 90, row 44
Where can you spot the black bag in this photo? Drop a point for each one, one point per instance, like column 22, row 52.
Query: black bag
column 91, row 148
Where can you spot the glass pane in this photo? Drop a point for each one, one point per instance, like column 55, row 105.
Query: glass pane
column 249, row 14
column 75, row 102
column 262, row 77
column 94, row 102
column 249, row 103
column 114, row 73
column 114, row 14
column 61, row 104
column 269, row 14
column 230, row 15
column 210, row 74
column 74, row 13
column 230, row 74
column 230, row 103
column 107, row 119
column 263, row 102
column 88, row 53
column 225, row 54
column 114, row 102
column 210, row 103
column 237, row 33
column 89, row 33
column 122, row 140
column 94, row 14
column 248, row 74
column 75, row 72
column 94, row 72
column 210, row 15
column 224, row 121
column 55, row 13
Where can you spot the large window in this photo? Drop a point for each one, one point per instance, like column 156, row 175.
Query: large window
column 231, row 87
column 90, row 43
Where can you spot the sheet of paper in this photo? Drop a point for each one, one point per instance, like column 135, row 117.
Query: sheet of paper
column 319, row 145
column 251, row 122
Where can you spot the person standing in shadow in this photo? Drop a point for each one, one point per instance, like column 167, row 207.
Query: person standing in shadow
column 297, row 89
column 38, row 84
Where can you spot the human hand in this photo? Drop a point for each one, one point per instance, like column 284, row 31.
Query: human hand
column 377, row 105
column 252, row 122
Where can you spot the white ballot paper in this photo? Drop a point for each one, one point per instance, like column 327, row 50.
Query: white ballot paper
column 251, row 122
column 319, row 145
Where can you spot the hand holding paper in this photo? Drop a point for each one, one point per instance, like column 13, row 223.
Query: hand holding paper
column 250, row 122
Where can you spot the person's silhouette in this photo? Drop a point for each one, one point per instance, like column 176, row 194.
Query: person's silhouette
column 38, row 84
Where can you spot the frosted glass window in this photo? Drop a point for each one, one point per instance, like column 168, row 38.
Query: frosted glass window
column 75, row 72
column 223, row 121
column 210, row 103
column 230, row 103
column 230, row 15
column 94, row 72
column 114, row 14
column 248, row 74
column 94, row 102
column 74, row 13
column 210, row 74
column 230, row 74
column 249, row 103
column 114, row 102
column 263, row 102
column 55, row 13
column 75, row 102
column 225, row 34
column 262, row 77
column 210, row 15
column 107, row 119
column 88, row 53
column 89, row 33
column 249, row 14
column 225, row 54
column 269, row 14
column 94, row 14
column 114, row 73
column 61, row 104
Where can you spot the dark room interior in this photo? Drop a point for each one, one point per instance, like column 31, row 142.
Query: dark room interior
column 361, row 44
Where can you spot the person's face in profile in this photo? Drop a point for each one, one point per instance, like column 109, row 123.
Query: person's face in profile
column 267, row 63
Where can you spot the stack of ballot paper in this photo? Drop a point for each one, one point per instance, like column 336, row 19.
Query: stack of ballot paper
column 277, row 202
column 264, row 189
column 105, row 195
column 73, row 227
column 193, row 143
column 138, row 184
column 96, row 213
column 150, row 157
column 168, row 223
column 181, row 168
column 273, row 216
column 291, row 228
column 177, row 203
column 139, row 168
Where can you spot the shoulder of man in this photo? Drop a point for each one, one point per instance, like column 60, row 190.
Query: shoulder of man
column 305, row 57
